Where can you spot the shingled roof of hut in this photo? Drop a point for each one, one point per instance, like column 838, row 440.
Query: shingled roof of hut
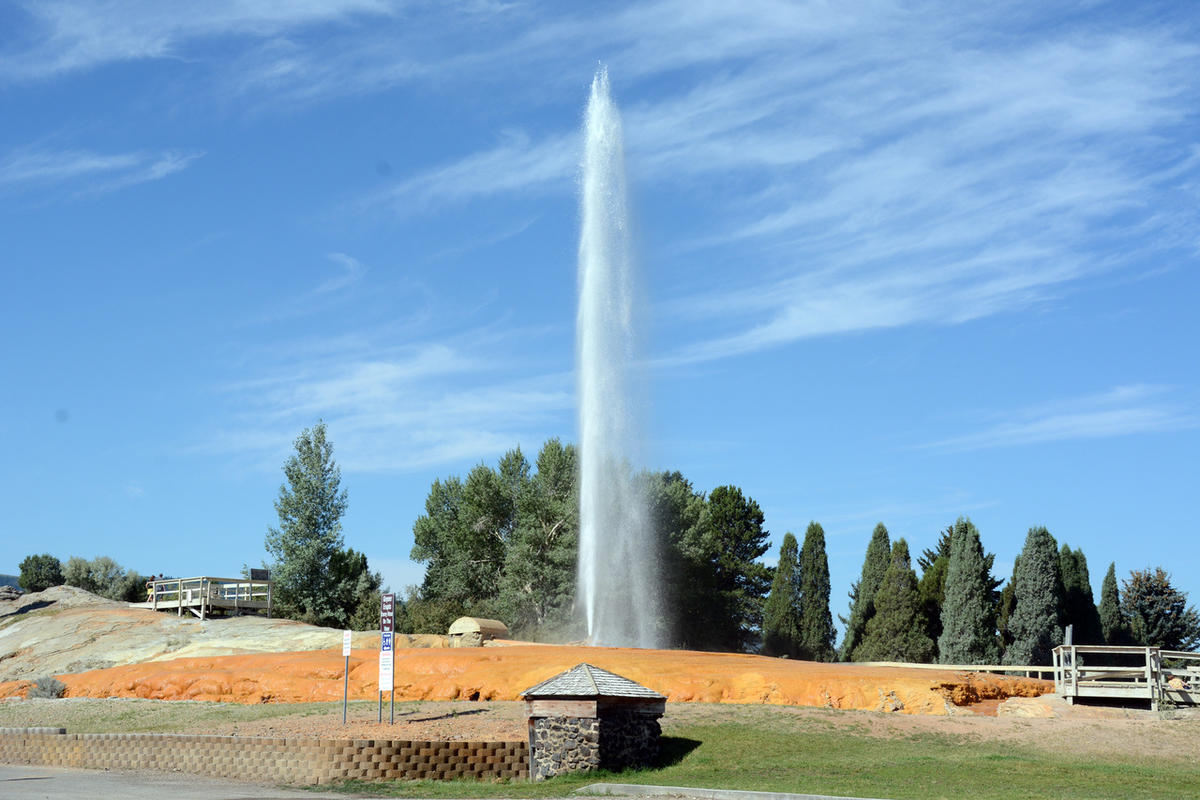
column 585, row 680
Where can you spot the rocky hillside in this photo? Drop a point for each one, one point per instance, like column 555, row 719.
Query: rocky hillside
column 67, row 630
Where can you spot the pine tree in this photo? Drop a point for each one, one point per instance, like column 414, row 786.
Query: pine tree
column 781, row 614
column 862, row 594
column 1158, row 613
column 816, row 621
column 1112, row 622
column 897, row 631
column 1078, row 605
column 1036, row 621
column 968, row 612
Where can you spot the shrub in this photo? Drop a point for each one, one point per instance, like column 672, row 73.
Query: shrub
column 39, row 573
column 47, row 687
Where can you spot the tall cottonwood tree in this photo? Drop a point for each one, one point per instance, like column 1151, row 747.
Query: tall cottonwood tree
column 897, row 632
column 310, row 506
column 862, row 593
column 537, row 587
column 816, row 621
column 781, row 613
column 1036, row 620
column 968, row 610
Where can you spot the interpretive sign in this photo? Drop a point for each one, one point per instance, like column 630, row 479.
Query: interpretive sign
column 385, row 671
column 346, row 643
column 387, row 613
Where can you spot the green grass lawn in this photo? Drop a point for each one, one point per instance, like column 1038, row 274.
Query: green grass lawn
column 765, row 748
column 854, row 764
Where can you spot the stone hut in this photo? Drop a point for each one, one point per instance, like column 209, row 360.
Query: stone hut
column 474, row 631
column 588, row 718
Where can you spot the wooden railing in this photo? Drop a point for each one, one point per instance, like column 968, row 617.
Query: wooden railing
column 203, row 594
column 1135, row 673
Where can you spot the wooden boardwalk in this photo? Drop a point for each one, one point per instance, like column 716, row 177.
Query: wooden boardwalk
column 1127, row 673
column 206, row 597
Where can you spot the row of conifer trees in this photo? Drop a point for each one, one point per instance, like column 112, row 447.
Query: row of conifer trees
column 956, row 613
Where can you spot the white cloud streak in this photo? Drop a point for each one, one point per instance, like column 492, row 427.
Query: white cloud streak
column 1121, row 411
column 87, row 172
column 413, row 407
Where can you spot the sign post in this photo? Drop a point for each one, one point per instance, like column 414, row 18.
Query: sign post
column 387, row 628
column 346, row 672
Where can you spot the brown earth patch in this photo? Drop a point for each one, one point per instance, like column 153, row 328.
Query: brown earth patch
column 502, row 673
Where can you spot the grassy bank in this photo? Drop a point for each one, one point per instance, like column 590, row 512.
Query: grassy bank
column 767, row 748
column 856, row 764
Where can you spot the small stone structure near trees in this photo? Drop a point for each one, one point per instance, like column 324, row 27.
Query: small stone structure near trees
column 474, row 631
column 588, row 718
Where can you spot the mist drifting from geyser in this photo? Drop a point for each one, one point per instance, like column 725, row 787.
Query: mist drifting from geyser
column 617, row 555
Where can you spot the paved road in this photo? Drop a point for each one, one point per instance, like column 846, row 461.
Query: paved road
column 55, row 783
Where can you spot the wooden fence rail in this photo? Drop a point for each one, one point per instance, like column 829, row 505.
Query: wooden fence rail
column 205, row 595
column 1089, row 671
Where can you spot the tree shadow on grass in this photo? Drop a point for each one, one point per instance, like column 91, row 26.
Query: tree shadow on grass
column 673, row 749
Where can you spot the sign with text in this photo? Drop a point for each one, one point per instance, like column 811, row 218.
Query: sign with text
column 387, row 613
column 345, row 643
column 385, row 641
column 385, row 670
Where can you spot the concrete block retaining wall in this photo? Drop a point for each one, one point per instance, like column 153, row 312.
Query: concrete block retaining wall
column 304, row 761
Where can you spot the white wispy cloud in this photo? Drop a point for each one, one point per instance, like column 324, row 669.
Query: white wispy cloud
column 352, row 271
column 1121, row 411
column 87, row 172
column 63, row 36
column 398, row 408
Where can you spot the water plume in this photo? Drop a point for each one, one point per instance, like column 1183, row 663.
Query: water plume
column 618, row 584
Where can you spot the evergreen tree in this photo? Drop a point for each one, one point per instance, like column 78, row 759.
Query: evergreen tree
column 1158, row 613
column 862, row 594
column 1112, row 621
column 781, row 614
column 1004, row 607
column 968, row 611
column 1078, row 605
column 726, row 570
column 934, row 562
column 816, row 621
column 897, row 631
column 310, row 507
column 1036, row 620
column 39, row 573
column 932, row 591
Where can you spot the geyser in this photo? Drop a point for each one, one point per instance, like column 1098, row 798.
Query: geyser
column 617, row 554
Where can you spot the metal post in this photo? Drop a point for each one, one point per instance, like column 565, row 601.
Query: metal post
column 392, row 710
column 380, row 717
column 345, row 688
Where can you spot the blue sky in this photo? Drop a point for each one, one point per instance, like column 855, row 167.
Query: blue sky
column 902, row 262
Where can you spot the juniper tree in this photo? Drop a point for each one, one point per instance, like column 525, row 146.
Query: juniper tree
column 862, row 594
column 897, row 630
column 816, row 621
column 1078, row 606
column 1036, row 621
column 781, row 614
column 39, row 573
column 968, row 612
column 1112, row 622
